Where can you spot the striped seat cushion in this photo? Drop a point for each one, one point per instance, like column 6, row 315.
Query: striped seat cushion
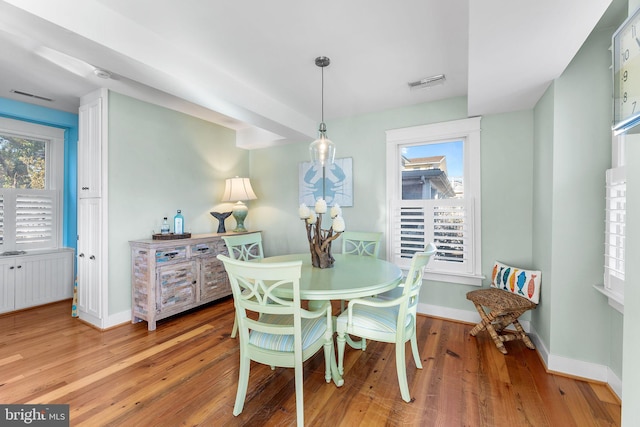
column 372, row 318
column 312, row 330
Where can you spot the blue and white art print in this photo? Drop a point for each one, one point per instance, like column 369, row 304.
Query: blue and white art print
column 338, row 183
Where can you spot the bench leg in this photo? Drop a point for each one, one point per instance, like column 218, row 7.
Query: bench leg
column 525, row 338
column 486, row 323
column 503, row 321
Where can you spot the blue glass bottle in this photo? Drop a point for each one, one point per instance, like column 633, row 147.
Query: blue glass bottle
column 178, row 223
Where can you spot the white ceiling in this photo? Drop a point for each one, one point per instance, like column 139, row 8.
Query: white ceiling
column 249, row 65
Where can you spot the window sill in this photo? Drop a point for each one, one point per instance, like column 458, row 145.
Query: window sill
column 460, row 279
column 616, row 300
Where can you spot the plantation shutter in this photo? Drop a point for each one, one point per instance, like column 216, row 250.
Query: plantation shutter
column 615, row 224
column 28, row 218
column 445, row 222
column 35, row 219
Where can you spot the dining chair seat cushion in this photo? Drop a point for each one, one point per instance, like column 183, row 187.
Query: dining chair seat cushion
column 378, row 319
column 312, row 330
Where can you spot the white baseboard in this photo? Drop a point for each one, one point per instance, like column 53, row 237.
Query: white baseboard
column 578, row 368
column 458, row 315
column 615, row 383
column 109, row 322
column 559, row 364
column 118, row 319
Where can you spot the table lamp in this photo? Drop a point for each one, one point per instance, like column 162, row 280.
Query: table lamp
column 238, row 190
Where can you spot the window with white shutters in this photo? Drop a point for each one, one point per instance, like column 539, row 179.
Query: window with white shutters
column 615, row 225
column 31, row 181
column 433, row 185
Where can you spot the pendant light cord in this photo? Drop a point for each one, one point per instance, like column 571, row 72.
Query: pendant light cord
column 322, row 95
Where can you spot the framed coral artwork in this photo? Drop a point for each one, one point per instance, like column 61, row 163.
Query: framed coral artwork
column 335, row 188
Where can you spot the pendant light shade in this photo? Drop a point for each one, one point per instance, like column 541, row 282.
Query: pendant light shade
column 322, row 150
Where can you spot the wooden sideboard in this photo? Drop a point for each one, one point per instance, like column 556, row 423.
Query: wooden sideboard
column 172, row 276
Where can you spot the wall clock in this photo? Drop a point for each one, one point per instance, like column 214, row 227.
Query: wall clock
column 626, row 74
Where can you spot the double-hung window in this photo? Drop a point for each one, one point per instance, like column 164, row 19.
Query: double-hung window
column 31, row 180
column 433, row 190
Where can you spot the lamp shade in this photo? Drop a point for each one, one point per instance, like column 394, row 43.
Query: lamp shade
column 238, row 189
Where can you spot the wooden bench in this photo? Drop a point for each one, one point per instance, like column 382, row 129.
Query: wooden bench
column 504, row 302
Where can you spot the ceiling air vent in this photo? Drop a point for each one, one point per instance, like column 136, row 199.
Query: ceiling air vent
column 427, row 82
column 30, row 95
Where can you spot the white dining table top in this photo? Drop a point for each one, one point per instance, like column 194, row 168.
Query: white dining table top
column 351, row 276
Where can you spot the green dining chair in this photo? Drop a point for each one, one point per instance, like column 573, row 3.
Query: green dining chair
column 273, row 328
column 391, row 321
column 361, row 243
column 245, row 247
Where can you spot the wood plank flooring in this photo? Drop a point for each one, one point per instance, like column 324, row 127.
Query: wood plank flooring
column 185, row 374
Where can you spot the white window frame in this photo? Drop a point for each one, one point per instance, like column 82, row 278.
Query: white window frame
column 467, row 130
column 50, row 196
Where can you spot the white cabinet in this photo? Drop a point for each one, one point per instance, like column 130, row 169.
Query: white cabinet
column 90, row 301
column 35, row 278
column 89, row 148
column 7, row 285
column 92, row 208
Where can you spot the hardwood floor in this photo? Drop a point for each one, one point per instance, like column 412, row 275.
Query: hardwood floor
column 185, row 373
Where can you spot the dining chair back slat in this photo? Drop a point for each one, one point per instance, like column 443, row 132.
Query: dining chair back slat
column 244, row 247
column 361, row 243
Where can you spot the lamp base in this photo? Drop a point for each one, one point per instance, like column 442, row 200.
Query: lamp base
column 240, row 212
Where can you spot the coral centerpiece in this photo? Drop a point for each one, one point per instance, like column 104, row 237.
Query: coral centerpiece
column 319, row 239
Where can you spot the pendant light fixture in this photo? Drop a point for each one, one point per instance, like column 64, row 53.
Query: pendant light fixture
column 322, row 150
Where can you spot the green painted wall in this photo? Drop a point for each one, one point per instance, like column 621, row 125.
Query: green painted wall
column 572, row 151
column 581, row 155
column 160, row 161
column 542, row 208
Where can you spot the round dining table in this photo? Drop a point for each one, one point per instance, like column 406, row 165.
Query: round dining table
column 352, row 276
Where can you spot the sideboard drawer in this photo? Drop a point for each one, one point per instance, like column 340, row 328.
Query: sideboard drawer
column 178, row 253
column 204, row 248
